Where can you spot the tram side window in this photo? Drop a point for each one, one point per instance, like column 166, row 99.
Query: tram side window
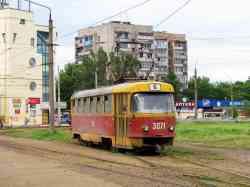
column 73, row 105
column 78, row 108
column 86, row 105
column 93, row 101
column 100, row 105
column 108, row 103
column 82, row 105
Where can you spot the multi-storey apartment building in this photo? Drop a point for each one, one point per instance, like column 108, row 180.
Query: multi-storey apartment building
column 171, row 51
column 23, row 68
column 159, row 52
column 135, row 39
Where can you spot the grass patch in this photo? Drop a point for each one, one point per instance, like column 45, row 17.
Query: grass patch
column 228, row 135
column 61, row 135
column 208, row 178
column 175, row 151
column 214, row 134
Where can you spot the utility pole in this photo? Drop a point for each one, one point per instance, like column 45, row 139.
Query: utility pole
column 96, row 77
column 59, row 98
column 195, row 93
column 6, row 112
column 232, row 100
column 51, row 75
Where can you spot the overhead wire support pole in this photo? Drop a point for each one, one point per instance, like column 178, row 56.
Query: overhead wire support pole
column 51, row 75
column 59, row 98
column 196, row 93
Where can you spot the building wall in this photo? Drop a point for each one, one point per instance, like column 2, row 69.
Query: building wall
column 21, row 69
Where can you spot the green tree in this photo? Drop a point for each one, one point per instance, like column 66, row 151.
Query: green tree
column 205, row 88
column 98, row 62
column 70, row 77
column 123, row 65
column 172, row 78
column 81, row 76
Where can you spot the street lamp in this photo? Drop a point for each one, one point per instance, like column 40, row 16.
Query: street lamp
column 51, row 64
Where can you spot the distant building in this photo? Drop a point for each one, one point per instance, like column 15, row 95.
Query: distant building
column 23, row 69
column 159, row 52
column 171, row 51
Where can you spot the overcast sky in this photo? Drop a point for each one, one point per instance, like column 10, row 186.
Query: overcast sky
column 218, row 31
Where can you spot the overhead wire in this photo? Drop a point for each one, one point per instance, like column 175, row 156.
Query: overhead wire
column 108, row 18
column 172, row 14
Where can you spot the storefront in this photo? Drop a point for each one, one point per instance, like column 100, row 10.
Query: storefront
column 185, row 110
column 24, row 112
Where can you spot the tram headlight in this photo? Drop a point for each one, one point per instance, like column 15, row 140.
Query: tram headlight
column 172, row 128
column 146, row 128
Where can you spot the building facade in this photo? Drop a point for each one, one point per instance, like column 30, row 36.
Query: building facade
column 159, row 52
column 23, row 68
column 171, row 51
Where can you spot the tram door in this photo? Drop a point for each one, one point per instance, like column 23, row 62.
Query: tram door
column 121, row 119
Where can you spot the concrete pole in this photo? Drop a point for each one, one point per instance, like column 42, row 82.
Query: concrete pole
column 96, row 78
column 51, row 75
column 196, row 93
column 59, row 97
column 6, row 112
column 232, row 100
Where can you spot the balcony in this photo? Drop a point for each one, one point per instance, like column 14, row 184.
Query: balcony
column 179, row 48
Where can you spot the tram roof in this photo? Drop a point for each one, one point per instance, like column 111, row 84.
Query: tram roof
column 123, row 88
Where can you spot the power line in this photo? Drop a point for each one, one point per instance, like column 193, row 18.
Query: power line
column 173, row 13
column 110, row 17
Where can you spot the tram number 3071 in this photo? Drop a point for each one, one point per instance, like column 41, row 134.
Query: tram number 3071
column 159, row 125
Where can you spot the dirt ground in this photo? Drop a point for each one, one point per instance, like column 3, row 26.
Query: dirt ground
column 25, row 163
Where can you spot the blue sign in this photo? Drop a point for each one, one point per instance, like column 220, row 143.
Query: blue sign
column 208, row 103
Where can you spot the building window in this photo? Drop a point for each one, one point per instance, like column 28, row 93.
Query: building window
column 141, row 54
column 88, row 41
column 22, row 21
column 4, row 37
column 32, row 42
column 14, row 37
column 98, row 38
column 150, row 55
column 122, row 35
column 33, row 86
column 124, row 45
column 32, row 62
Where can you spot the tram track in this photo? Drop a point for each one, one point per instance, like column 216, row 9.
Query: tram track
column 30, row 148
column 146, row 164
column 46, row 153
column 202, row 165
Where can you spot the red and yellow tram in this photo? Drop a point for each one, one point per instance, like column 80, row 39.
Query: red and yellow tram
column 128, row 116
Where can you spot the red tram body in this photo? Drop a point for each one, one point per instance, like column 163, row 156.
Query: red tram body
column 129, row 116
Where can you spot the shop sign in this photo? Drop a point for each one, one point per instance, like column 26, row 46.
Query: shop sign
column 185, row 104
column 17, row 103
column 208, row 103
column 33, row 101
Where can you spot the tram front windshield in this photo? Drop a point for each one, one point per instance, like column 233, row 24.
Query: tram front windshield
column 153, row 103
